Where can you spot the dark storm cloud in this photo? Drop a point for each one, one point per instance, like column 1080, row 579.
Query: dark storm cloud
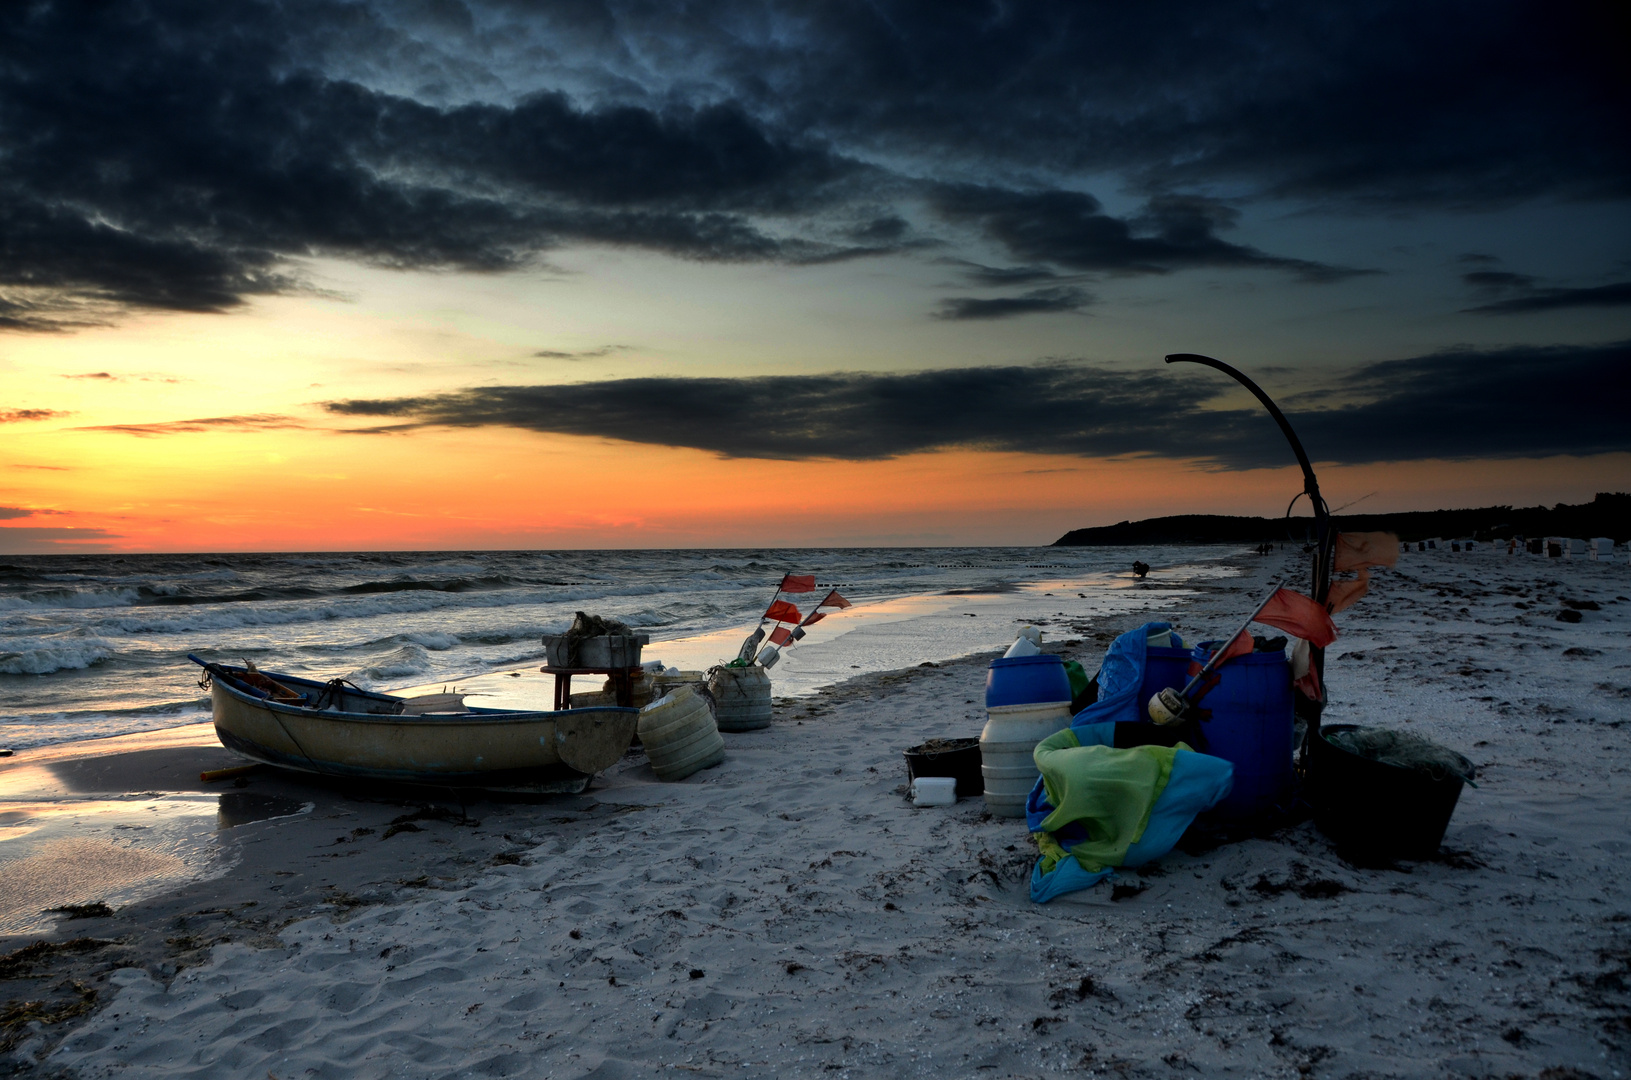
column 1507, row 293
column 1071, row 229
column 1616, row 295
column 173, row 155
column 980, row 274
column 1388, row 101
column 1517, row 402
column 1497, row 280
column 1524, row 402
column 851, row 416
column 1038, row 301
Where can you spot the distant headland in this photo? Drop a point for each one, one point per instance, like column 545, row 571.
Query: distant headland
column 1606, row 515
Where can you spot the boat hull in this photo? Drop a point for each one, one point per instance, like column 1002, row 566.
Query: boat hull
column 467, row 748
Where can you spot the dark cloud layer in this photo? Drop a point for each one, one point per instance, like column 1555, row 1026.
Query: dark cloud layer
column 1384, row 101
column 176, row 155
column 254, row 422
column 1002, row 307
column 581, row 354
column 1071, row 229
column 1524, row 402
column 14, row 534
column 15, row 416
column 173, row 155
column 1538, row 299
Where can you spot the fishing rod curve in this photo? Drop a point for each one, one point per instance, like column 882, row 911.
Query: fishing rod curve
column 1326, row 542
column 1311, row 486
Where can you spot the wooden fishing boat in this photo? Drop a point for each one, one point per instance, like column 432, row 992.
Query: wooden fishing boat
column 336, row 729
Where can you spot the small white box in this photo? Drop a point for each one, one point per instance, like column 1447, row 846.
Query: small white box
column 934, row 791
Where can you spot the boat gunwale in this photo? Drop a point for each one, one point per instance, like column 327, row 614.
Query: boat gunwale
column 453, row 719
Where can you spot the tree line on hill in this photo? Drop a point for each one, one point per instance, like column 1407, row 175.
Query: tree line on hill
column 1609, row 514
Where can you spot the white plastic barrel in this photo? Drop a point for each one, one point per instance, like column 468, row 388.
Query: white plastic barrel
column 741, row 697
column 1011, row 734
column 679, row 735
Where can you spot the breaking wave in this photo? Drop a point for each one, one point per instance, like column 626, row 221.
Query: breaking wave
column 44, row 657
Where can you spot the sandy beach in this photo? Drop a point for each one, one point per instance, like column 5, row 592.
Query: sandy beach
column 789, row 913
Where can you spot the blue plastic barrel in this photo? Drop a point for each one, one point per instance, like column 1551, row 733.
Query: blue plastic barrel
column 1026, row 680
column 1164, row 668
column 1253, row 728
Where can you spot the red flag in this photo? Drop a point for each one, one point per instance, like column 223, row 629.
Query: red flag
column 1310, row 686
column 1240, row 645
column 798, row 583
column 782, row 611
column 834, row 600
column 781, row 636
column 814, row 617
column 1297, row 614
column 1345, row 593
column 1356, row 550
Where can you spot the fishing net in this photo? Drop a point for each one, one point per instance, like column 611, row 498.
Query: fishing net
column 1404, row 751
column 588, row 626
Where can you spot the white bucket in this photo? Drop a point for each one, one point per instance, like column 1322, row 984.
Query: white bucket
column 1006, row 745
column 679, row 735
column 741, row 697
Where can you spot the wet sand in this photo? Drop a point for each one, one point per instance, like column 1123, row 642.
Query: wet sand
column 789, row 913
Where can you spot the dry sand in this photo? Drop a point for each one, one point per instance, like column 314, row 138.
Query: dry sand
column 790, row 914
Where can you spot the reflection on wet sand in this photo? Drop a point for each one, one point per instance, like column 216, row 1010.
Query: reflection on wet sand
column 115, row 821
column 78, row 870
column 242, row 807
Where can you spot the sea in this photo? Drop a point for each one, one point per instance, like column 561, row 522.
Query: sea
column 97, row 645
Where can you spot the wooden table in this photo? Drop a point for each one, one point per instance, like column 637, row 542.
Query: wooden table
column 622, row 683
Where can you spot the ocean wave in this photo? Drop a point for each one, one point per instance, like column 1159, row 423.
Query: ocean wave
column 44, row 657
column 27, row 732
column 501, row 661
column 434, row 641
column 195, row 619
column 411, row 659
column 69, row 598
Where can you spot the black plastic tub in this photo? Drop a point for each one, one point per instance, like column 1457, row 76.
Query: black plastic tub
column 958, row 758
column 1377, row 812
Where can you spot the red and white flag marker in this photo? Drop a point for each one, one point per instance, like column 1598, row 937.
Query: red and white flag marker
column 789, row 622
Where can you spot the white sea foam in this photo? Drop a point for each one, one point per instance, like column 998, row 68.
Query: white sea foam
column 25, row 657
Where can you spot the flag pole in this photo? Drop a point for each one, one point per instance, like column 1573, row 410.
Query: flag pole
column 1325, row 535
column 1217, row 657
